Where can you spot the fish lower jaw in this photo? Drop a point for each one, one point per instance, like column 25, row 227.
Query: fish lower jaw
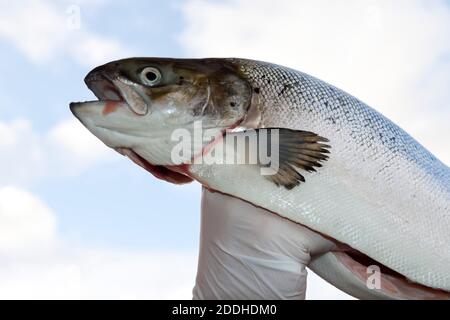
column 172, row 174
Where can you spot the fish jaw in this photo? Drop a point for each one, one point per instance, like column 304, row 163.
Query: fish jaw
column 110, row 121
column 117, row 136
column 117, row 125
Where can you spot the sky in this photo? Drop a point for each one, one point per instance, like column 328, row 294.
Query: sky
column 78, row 220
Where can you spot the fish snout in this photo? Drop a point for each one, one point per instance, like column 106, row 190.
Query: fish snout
column 94, row 75
column 101, row 73
column 73, row 108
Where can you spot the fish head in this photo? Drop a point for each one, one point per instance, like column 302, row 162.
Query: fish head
column 142, row 101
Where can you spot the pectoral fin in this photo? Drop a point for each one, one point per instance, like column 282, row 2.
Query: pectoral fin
column 297, row 150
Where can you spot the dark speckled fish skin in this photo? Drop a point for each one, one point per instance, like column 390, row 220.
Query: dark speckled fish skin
column 286, row 92
column 285, row 89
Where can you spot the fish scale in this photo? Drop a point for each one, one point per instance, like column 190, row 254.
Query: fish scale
column 381, row 192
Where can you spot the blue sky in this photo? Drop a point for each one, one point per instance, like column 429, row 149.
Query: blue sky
column 94, row 202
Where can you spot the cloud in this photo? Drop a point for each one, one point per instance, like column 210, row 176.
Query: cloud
column 65, row 149
column 23, row 158
column 26, row 223
column 38, row 264
column 94, row 49
column 44, row 30
column 394, row 55
column 72, row 148
column 99, row 274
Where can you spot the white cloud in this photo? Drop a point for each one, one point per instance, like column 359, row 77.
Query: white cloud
column 66, row 149
column 92, row 50
column 72, row 148
column 99, row 274
column 23, row 158
column 43, row 30
column 37, row 264
column 26, row 223
column 391, row 54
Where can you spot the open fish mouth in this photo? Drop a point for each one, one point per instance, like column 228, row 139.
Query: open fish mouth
column 103, row 88
column 105, row 91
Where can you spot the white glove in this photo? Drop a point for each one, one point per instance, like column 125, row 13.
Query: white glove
column 247, row 252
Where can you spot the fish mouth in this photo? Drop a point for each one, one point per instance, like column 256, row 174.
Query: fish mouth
column 103, row 88
column 172, row 174
column 116, row 88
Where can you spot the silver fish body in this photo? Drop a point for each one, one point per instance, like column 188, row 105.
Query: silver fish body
column 380, row 192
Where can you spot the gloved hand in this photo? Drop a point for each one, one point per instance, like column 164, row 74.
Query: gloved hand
column 247, row 252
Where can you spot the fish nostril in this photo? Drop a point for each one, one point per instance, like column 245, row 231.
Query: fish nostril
column 94, row 76
column 103, row 72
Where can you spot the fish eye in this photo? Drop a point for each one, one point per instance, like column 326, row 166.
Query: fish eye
column 150, row 76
